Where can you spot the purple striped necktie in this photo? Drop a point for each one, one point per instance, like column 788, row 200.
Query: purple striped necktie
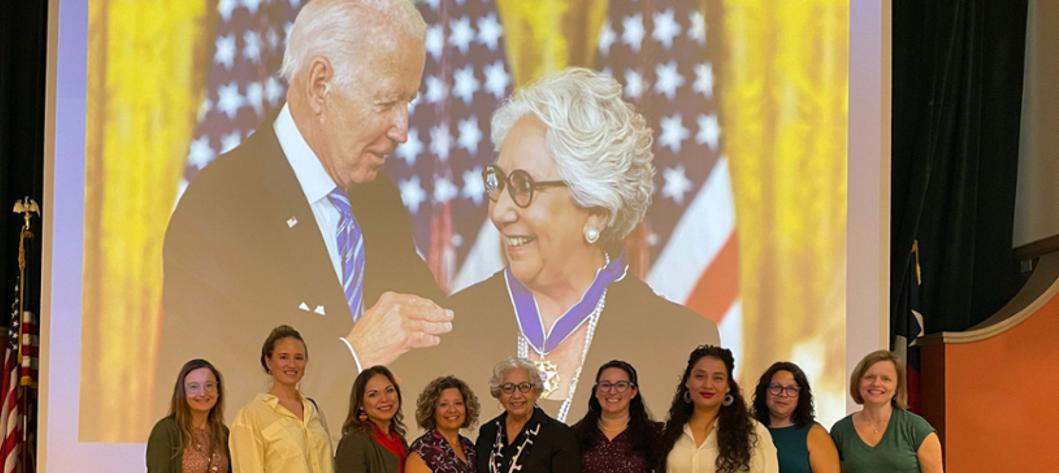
column 350, row 252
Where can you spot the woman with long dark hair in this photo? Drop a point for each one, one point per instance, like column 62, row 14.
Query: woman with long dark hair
column 783, row 401
column 373, row 435
column 709, row 429
column 192, row 438
column 617, row 434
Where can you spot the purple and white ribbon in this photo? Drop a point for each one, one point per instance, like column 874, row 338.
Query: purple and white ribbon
column 528, row 315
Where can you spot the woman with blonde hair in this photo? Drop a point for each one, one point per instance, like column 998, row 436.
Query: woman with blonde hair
column 883, row 435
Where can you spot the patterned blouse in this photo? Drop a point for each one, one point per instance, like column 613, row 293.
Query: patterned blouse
column 438, row 455
column 617, row 455
column 197, row 458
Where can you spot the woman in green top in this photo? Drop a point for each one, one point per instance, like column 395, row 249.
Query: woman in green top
column 783, row 402
column 884, row 436
column 192, row 438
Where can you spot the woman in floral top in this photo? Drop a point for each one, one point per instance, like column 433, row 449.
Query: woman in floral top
column 192, row 438
column 445, row 406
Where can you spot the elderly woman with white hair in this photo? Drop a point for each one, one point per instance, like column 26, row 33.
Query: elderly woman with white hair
column 573, row 177
column 523, row 437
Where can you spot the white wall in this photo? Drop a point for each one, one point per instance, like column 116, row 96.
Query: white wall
column 868, row 218
column 1037, row 195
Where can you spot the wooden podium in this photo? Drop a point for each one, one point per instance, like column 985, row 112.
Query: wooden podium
column 993, row 391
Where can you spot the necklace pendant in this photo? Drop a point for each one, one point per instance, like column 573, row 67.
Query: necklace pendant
column 549, row 374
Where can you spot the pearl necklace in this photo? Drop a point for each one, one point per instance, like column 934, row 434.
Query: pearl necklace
column 523, row 352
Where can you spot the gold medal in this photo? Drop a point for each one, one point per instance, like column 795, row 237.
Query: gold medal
column 549, row 375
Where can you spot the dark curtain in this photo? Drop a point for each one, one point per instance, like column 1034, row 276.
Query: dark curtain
column 957, row 99
column 23, row 50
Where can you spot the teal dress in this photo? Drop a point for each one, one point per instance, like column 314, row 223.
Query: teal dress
column 792, row 447
column 896, row 451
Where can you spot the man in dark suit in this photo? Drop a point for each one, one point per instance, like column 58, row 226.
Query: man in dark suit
column 295, row 226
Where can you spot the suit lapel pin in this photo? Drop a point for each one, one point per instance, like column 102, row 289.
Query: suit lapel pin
column 291, row 222
column 303, row 306
column 319, row 310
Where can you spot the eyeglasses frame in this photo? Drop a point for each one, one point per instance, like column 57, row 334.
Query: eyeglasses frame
column 509, row 388
column 785, row 391
column 614, row 387
column 505, row 181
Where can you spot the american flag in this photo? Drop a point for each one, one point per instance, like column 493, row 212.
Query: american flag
column 29, row 330
column 242, row 86
column 662, row 52
column 10, row 418
column 438, row 170
column 18, row 385
column 440, row 166
column 657, row 49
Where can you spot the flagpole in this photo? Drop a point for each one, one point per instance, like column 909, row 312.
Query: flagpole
column 27, row 207
column 22, row 236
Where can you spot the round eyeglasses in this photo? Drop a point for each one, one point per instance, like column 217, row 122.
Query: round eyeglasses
column 788, row 391
column 620, row 386
column 200, row 388
column 520, row 186
column 509, row 388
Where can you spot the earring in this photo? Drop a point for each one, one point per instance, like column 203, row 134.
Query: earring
column 728, row 399
column 591, row 235
column 361, row 415
column 687, row 397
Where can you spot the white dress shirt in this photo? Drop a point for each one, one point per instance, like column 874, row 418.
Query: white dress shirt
column 314, row 181
column 687, row 458
column 316, row 184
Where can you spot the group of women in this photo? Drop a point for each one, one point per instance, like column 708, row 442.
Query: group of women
column 573, row 178
column 709, row 428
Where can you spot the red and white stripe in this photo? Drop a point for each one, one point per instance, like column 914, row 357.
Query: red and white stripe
column 30, row 348
column 699, row 267
column 10, row 420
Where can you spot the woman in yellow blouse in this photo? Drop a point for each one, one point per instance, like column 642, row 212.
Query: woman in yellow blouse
column 281, row 430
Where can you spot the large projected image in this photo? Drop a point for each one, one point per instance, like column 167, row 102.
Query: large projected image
column 204, row 228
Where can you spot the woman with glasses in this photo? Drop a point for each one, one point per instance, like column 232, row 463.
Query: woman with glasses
column 617, row 434
column 709, row 429
column 192, row 438
column 572, row 179
column 783, row 402
column 523, row 438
